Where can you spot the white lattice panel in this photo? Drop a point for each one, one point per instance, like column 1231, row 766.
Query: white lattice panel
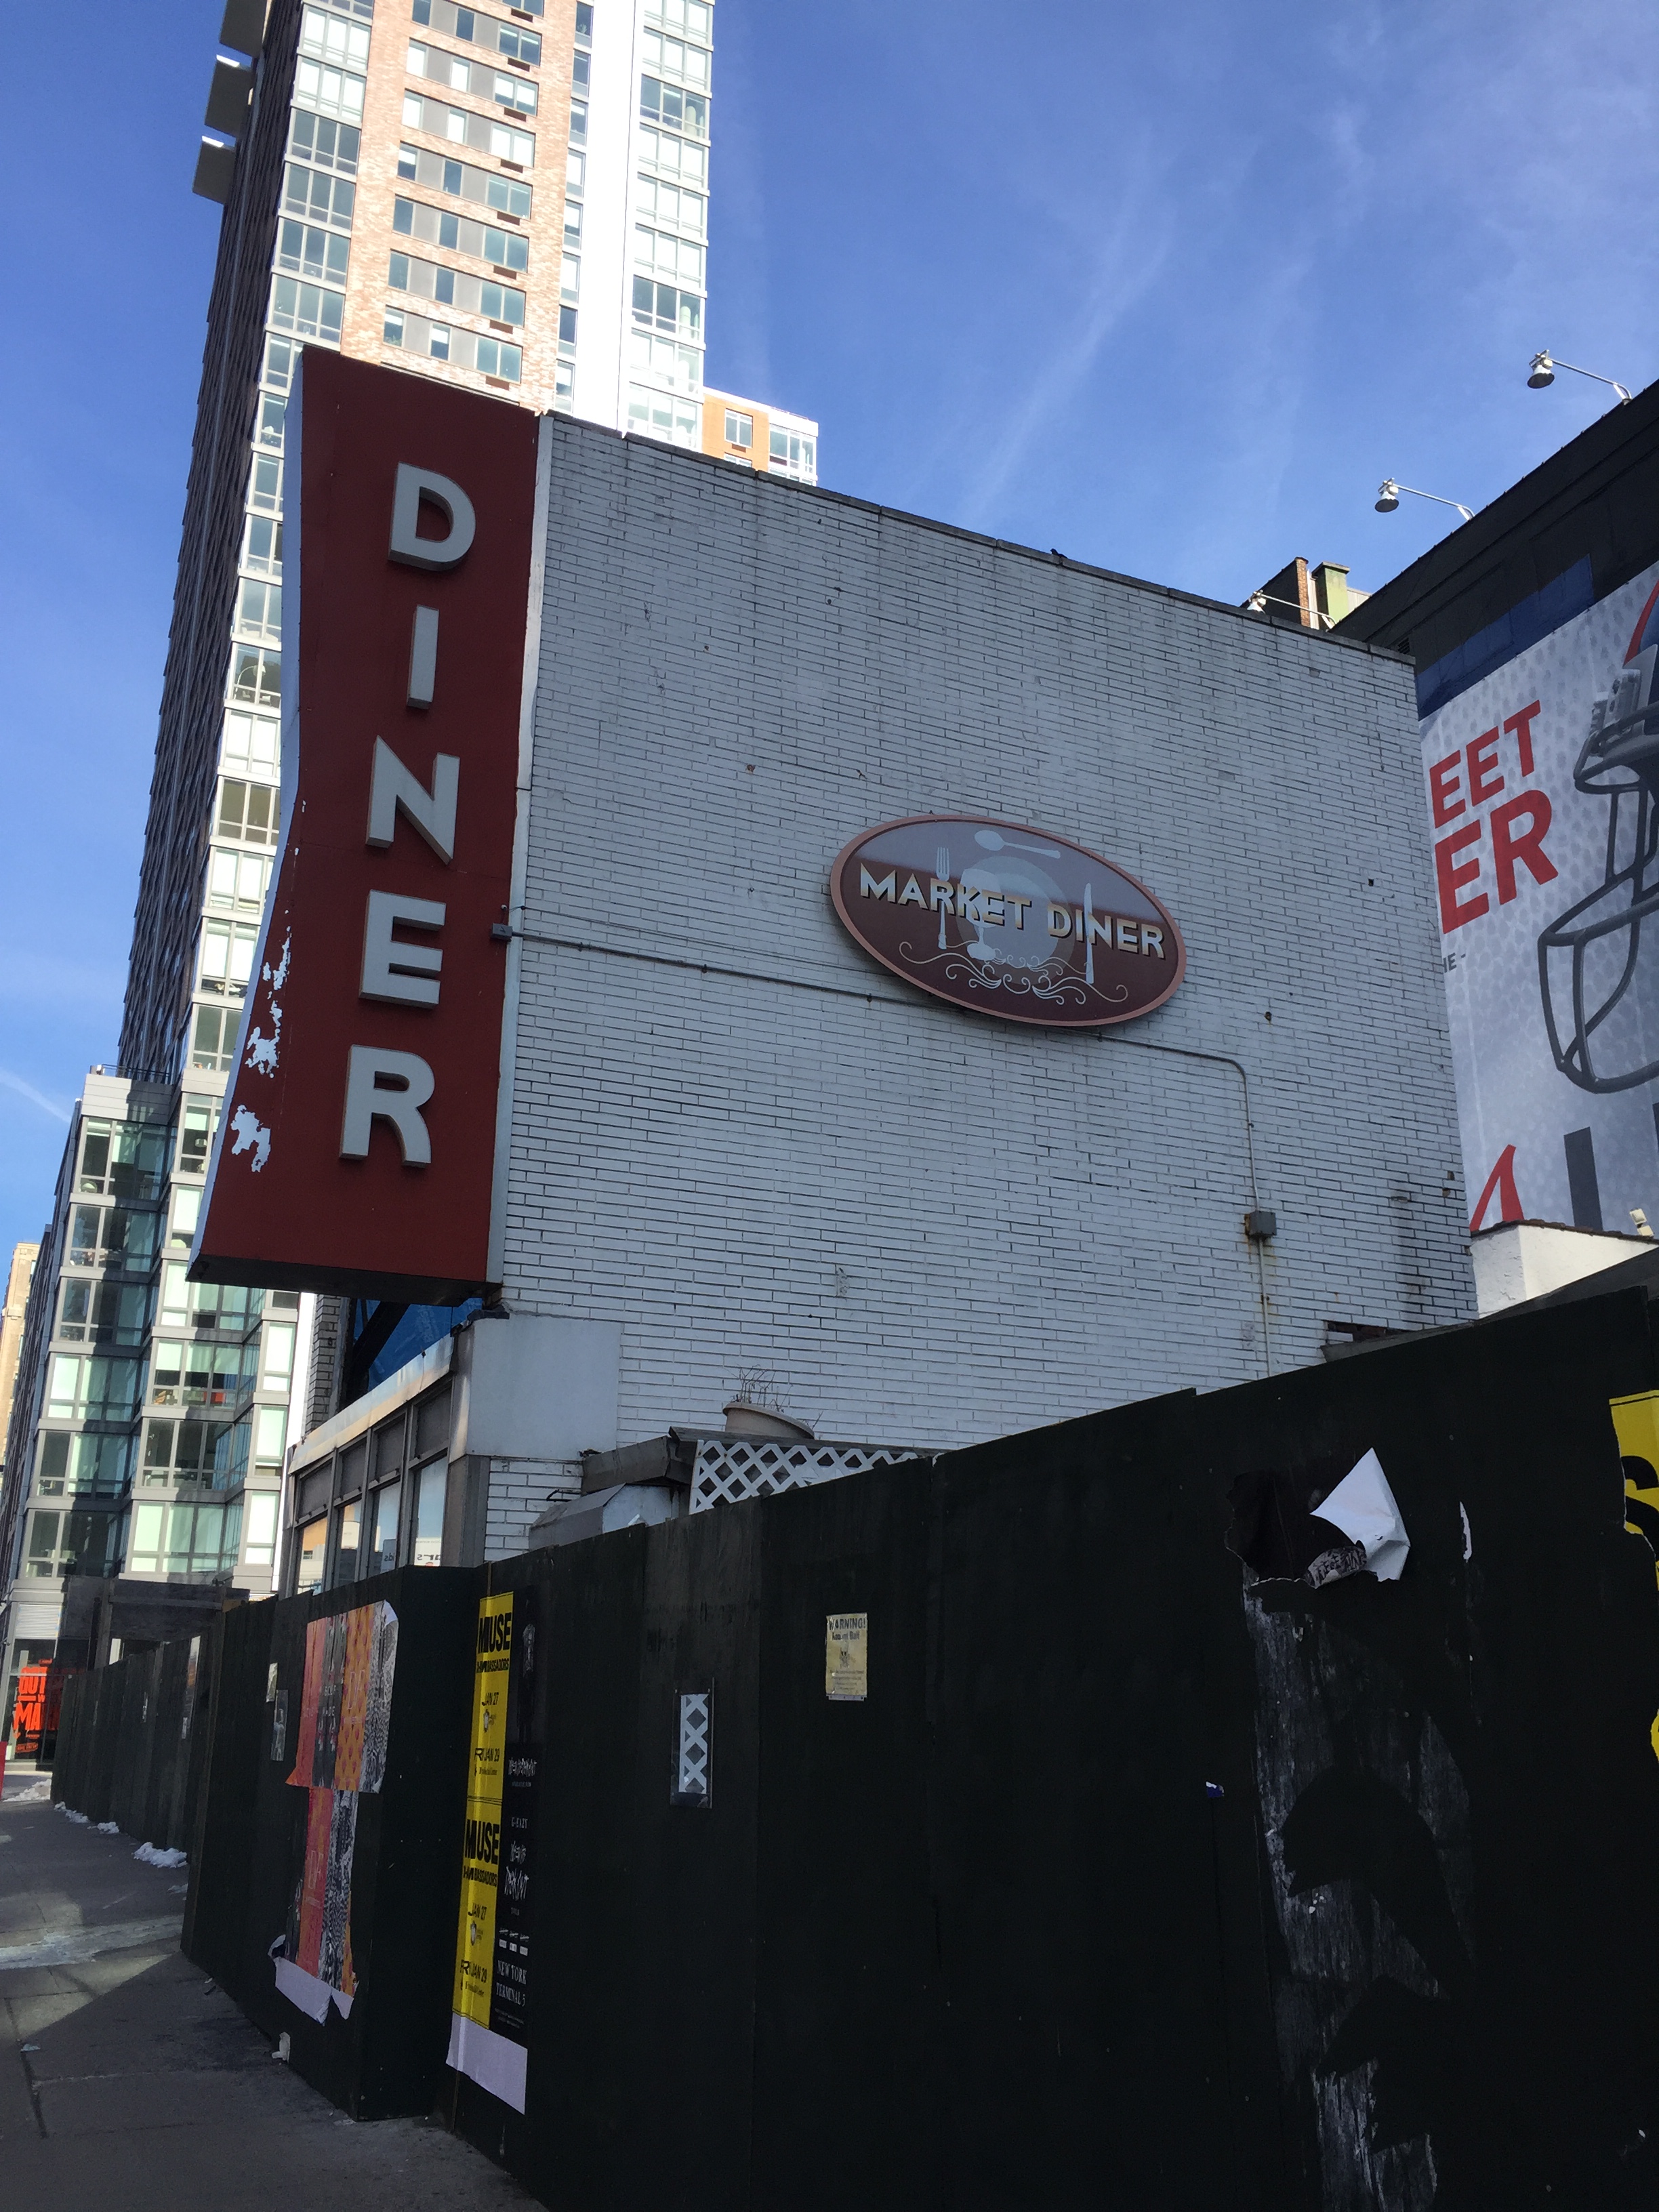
column 731, row 1468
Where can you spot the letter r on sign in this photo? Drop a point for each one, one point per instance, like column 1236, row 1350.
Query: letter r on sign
column 386, row 1086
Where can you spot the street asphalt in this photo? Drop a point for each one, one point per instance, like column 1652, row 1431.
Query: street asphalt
column 129, row 2083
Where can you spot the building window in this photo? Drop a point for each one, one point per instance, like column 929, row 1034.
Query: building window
column 662, row 307
column 109, row 1236
column 672, row 58
column 330, row 145
column 256, row 677
column 313, row 1538
column 673, row 157
column 454, row 288
column 461, row 348
column 226, row 960
column 791, row 454
column 467, row 26
column 584, row 20
column 431, row 1483
column 180, row 1451
column 270, row 428
column 87, row 1465
column 383, row 1548
column 318, row 196
column 306, row 309
column 581, row 74
column 103, row 1313
column 281, row 359
column 122, row 1159
column 573, row 223
column 739, row 429
column 187, row 1212
column 664, row 203
column 269, row 1433
column 259, row 1527
column 674, row 110
column 310, row 250
column 461, row 180
column 237, row 881
column 329, row 91
column 265, row 489
column 329, row 39
column 461, row 127
column 91, row 1389
column 197, row 1125
column 678, row 367
column 662, row 415
column 348, row 1530
column 478, row 78
column 277, row 1356
column 214, row 1045
column 570, row 277
column 667, row 255
column 695, row 17
column 250, row 741
column 260, row 609
column 459, row 233
column 248, row 810
column 262, row 539
column 575, row 169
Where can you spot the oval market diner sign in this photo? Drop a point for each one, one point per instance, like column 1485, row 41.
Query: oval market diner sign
column 1007, row 920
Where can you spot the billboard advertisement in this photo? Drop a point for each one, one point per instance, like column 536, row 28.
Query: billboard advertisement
column 357, row 1146
column 1541, row 786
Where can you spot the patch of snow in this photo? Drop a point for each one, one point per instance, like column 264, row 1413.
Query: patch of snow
column 79, row 1819
column 148, row 1855
column 37, row 1793
column 109, row 1828
column 252, row 1135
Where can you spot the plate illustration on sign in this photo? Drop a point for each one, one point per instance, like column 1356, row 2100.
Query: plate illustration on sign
column 1008, row 920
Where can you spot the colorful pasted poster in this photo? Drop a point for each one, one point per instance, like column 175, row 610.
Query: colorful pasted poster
column 490, row 2024
column 1542, row 783
column 345, row 1713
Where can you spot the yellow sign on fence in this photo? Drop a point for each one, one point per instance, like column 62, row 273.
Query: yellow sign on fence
column 481, row 1851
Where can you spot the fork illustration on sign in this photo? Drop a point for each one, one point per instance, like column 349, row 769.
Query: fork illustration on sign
column 942, row 874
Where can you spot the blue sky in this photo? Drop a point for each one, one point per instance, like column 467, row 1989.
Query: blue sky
column 1170, row 289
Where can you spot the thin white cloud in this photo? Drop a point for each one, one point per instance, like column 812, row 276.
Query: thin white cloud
column 35, row 1097
column 1128, row 262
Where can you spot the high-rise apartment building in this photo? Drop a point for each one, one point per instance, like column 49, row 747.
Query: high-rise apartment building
column 512, row 199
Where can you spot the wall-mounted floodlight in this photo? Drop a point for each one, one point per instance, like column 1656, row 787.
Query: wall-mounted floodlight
column 1388, row 498
column 1544, row 367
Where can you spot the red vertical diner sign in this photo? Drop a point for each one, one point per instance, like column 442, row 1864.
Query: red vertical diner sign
column 356, row 1148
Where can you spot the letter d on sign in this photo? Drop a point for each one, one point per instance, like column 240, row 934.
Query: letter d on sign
column 415, row 552
column 387, row 1086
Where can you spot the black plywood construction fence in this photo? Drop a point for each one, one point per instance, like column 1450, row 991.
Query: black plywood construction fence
column 1130, row 1880
column 130, row 1745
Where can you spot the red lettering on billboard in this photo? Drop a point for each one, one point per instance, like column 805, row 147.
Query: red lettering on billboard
column 358, row 1148
column 1520, row 727
column 1485, row 780
column 1442, row 782
column 1451, row 875
column 1509, row 844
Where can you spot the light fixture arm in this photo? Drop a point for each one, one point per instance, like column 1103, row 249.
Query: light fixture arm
column 1548, row 359
column 1389, row 486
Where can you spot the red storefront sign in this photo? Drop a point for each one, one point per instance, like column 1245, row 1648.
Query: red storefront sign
column 1008, row 920
column 358, row 1148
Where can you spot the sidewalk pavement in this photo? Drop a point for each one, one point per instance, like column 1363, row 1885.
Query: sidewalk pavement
column 129, row 2083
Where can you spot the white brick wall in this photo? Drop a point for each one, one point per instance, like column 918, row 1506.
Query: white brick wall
column 518, row 1491
column 928, row 1226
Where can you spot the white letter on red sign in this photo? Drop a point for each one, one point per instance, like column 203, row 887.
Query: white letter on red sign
column 408, row 1084
column 415, row 552
column 392, row 969
column 432, row 812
